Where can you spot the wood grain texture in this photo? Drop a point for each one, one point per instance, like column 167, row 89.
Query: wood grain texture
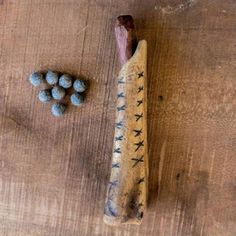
column 53, row 172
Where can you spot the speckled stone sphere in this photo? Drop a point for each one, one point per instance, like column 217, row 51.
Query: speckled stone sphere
column 58, row 109
column 79, row 86
column 58, row 92
column 52, row 77
column 65, row 81
column 44, row 95
column 76, row 99
column 36, row 78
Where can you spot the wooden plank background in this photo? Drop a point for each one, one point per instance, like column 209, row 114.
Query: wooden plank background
column 53, row 172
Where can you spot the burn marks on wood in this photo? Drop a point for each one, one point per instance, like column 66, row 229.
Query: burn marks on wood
column 134, row 206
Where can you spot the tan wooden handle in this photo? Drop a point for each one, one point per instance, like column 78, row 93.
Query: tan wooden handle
column 127, row 189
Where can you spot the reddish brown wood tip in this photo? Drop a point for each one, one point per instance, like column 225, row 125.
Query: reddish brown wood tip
column 125, row 20
column 125, row 37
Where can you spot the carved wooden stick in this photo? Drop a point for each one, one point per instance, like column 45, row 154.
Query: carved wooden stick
column 125, row 37
column 127, row 188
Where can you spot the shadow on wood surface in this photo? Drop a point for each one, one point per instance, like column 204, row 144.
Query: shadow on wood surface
column 170, row 184
column 151, row 30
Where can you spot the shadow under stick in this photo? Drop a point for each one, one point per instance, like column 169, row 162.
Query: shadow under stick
column 127, row 188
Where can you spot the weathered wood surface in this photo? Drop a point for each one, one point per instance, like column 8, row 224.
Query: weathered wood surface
column 53, row 172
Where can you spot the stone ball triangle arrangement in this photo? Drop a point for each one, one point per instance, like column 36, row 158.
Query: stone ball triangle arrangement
column 56, row 87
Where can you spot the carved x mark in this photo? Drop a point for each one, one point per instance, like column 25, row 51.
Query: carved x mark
column 113, row 183
column 140, row 88
column 139, row 145
column 122, row 108
column 117, row 150
column 119, row 125
column 138, row 116
column 141, row 74
column 120, row 95
column 119, row 138
column 120, row 81
column 115, row 165
column 137, row 160
column 140, row 180
column 139, row 102
column 138, row 132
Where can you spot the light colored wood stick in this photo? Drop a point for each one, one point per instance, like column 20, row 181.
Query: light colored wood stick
column 127, row 188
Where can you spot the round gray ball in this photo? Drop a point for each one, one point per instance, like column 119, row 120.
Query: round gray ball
column 52, row 77
column 36, row 78
column 58, row 109
column 79, row 86
column 58, row 92
column 65, row 81
column 76, row 99
column 44, row 95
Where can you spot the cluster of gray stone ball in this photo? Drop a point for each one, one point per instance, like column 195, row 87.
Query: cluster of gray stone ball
column 59, row 85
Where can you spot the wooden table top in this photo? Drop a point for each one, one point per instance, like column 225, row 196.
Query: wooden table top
column 54, row 171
